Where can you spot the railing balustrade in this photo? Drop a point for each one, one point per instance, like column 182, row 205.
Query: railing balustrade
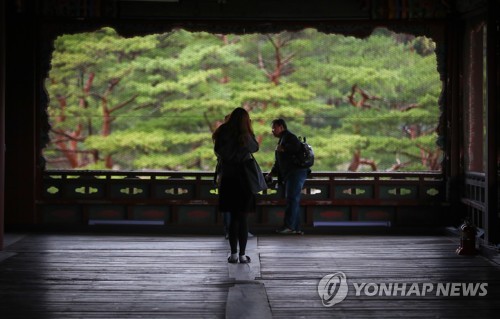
column 473, row 197
column 190, row 199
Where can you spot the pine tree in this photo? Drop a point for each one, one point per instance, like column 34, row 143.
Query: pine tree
column 152, row 102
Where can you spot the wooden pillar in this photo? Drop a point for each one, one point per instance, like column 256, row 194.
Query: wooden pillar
column 475, row 99
column 492, row 223
column 20, row 112
column 454, row 120
column 2, row 120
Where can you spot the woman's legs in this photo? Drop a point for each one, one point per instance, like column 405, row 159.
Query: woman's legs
column 227, row 219
column 238, row 232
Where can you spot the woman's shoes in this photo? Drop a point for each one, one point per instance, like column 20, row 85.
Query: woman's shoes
column 242, row 259
column 232, row 260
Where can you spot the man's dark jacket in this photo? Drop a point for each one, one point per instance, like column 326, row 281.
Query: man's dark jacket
column 283, row 163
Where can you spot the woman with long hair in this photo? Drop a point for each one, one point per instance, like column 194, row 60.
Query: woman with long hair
column 234, row 142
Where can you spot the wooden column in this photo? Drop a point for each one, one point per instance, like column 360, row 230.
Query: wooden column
column 2, row 119
column 475, row 99
column 491, row 223
column 453, row 126
column 20, row 113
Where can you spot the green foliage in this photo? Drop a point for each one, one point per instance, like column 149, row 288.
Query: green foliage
column 152, row 102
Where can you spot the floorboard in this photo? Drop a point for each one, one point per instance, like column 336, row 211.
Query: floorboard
column 121, row 276
column 114, row 277
column 292, row 267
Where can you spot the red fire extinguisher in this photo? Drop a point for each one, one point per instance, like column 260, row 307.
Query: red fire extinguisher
column 467, row 239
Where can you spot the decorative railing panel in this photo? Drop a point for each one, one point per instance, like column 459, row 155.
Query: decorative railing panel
column 190, row 199
column 473, row 197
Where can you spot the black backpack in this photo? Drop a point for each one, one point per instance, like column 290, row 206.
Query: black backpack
column 305, row 156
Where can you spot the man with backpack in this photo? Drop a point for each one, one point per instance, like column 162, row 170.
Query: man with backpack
column 291, row 175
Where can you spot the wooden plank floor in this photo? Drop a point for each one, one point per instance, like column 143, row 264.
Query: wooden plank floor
column 117, row 276
column 292, row 268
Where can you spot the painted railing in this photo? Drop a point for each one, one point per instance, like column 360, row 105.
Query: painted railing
column 178, row 199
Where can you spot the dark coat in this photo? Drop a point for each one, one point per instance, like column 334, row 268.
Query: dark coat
column 234, row 193
column 283, row 163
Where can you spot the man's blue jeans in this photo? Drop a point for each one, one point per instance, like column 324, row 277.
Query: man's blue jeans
column 293, row 184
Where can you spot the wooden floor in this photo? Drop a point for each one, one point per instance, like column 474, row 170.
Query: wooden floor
column 116, row 276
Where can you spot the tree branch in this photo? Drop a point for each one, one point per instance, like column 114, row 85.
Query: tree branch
column 123, row 104
column 68, row 136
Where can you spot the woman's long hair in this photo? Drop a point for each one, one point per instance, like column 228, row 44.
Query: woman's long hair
column 238, row 124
